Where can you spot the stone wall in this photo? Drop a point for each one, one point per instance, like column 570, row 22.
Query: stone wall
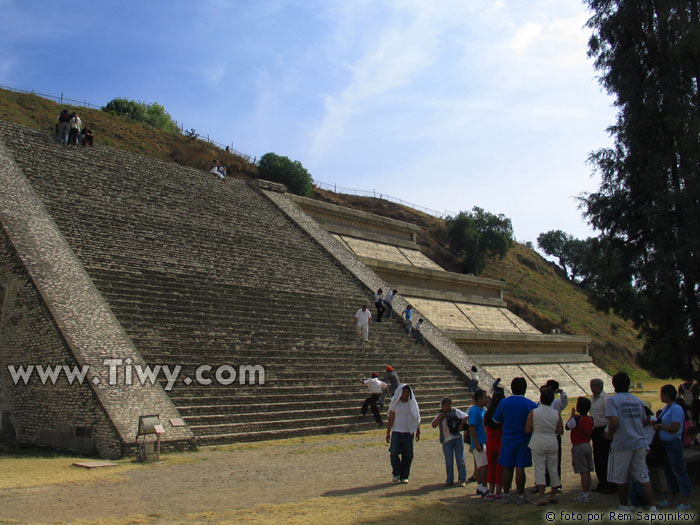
column 50, row 414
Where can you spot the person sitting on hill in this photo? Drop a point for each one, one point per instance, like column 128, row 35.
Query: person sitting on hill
column 87, row 138
column 222, row 169
column 215, row 169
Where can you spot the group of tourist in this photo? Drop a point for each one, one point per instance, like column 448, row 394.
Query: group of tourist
column 610, row 434
column 70, row 131
column 384, row 305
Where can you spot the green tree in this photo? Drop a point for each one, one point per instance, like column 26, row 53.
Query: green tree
column 153, row 114
column 647, row 206
column 570, row 252
column 289, row 172
column 477, row 234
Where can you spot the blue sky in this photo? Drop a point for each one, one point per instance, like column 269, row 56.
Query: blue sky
column 446, row 103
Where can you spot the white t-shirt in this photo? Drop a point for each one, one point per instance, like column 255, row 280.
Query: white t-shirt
column 378, row 298
column 389, row 297
column 402, row 417
column 559, row 403
column 363, row 317
column 375, row 385
column 419, row 327
column 475, row 376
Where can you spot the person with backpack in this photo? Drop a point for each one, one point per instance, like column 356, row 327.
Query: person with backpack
column 670, row 429
column 451, row 421
column 63, row 126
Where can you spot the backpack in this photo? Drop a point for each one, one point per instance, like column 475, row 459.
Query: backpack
column 453, row 423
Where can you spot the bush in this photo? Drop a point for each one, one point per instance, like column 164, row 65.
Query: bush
column 291, row 173
column 153, row 114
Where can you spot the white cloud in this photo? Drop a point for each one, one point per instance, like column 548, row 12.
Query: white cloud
column 525, row 37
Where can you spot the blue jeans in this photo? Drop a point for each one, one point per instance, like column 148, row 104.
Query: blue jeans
column 676, row 474
column 454, row 447
column 389, row 309
column 401, row 445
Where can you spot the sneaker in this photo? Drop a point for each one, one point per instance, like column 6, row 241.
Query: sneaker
column 522, row 500
column 482, row 493
column 395, row 479
column 505, row 498
column 583, row 498
column 653, row 510
column 683, row 506
column 449, row 484
column 404, row 481
column 665, row 504
column 490, row 497
column 498, row 497
column 534, row 490
column 623, row 508
column 462, row 483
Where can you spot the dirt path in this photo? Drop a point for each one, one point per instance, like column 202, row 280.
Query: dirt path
column 315, row 479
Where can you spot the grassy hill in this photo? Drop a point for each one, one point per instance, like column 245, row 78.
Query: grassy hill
column 121, row 133
column 536, row 289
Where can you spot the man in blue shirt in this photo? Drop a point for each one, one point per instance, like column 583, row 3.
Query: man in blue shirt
column 477, row 433
column 512, row 412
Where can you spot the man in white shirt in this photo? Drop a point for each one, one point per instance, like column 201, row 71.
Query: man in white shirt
column 404, row 420
column 376, row 387
column 452, row 442
column 601, row 445
column 363, row 320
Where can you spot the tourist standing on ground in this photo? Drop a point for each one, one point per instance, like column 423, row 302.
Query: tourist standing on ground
column 403, row 426
column 561, row 400
column 581, row 426
column 63, row 126
column 379, row 304
column 601, row 445
column 75, row 125
column 451, row 421
column 670, row 429
column 389, row 302
column 477, row 435
column 408, row 314
column 376, row 387
column 363, row 320
column 494, row 433
column 515, row 455
column 391, row 378
column 545, row 424
column 628, row 451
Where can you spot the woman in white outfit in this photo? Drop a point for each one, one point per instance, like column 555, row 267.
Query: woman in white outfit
column 545, row 423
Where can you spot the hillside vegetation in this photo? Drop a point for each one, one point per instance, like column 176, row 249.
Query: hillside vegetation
column 537, row 290
column 121, row 133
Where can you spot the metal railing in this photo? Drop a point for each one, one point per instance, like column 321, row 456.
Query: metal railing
column 378, row 195
column 84, row 103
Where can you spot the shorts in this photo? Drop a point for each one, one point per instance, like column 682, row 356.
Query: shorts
column 628, row 464
column 582, row 458
column 480, row 458
column 515, row 453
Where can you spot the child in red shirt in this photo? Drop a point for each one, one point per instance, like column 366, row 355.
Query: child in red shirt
column 581, row 426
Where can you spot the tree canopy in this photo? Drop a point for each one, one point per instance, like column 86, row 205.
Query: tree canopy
column 647, row 206
column 289, row 172
column 477, row 234
column 153, row 114
column 570, row 252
